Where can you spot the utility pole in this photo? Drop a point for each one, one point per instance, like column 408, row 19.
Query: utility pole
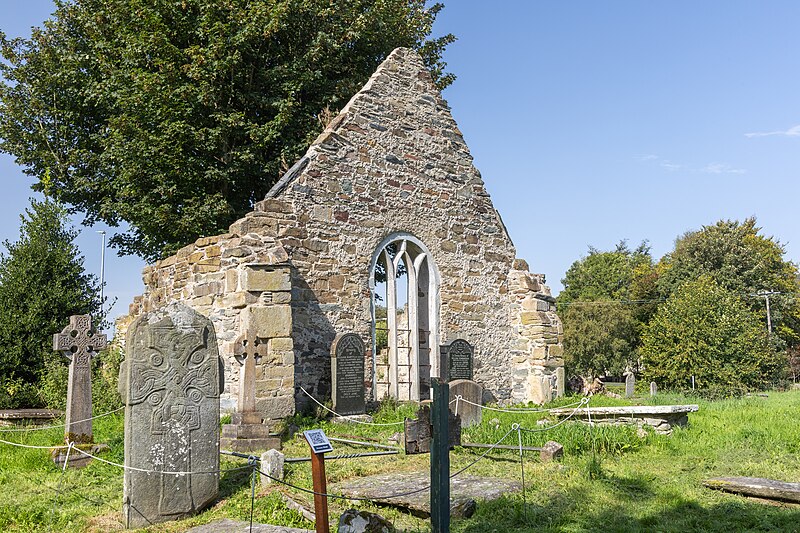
column 102, row 266
column 766, row 295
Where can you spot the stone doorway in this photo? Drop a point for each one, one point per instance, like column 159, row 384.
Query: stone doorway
column 404, row 291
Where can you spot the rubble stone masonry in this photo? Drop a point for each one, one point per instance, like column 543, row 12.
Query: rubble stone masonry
column 296, row 269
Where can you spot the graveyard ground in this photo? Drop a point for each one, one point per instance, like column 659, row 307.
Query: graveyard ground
column 628, row 483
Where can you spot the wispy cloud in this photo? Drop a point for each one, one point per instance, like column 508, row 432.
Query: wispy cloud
column 794, row 131
column 711, row 168
column 721, row 168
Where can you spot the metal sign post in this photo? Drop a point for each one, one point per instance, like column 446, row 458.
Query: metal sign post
column 319, row 444
column 440, row 458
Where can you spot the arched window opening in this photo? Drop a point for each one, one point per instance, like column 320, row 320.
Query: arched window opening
column 405, row 307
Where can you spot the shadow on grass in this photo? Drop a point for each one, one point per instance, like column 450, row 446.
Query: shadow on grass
column 232, row 481
column 575, row 510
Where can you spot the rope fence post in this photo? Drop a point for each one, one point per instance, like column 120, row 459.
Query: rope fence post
column 440, row 457
column 521, row 469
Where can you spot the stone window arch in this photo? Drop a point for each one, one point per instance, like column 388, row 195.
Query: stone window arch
column 404, row 288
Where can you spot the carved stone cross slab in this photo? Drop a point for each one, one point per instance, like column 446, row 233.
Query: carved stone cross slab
column 248, row 351
column 170, row 383
column 79, row 343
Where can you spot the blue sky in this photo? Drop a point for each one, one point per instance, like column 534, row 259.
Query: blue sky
column 592, row 122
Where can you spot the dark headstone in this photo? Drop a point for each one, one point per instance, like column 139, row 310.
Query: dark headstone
column 459, row 360
column 469, row 411
column 417, row 434
column 170, row 383
column 347, row 372
column 79, row 343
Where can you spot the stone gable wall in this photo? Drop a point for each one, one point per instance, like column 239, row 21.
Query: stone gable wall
column 393, row 161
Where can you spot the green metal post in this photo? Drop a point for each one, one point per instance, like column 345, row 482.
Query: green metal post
column 440, row 458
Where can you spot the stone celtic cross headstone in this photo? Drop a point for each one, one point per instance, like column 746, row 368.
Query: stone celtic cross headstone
column 459, row 360
column 249, row 350
column 246, row 432
column 630, row 384
column 347, row 373
column 170, row 382
column 79, row 343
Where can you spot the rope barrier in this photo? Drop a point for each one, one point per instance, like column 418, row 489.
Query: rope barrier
column 460, row 398
column 350, row 418
column 585, row 401
column 165, row 472
column 42, row 428
column 19, row 444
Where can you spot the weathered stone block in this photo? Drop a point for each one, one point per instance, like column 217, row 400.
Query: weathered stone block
column 259, row 280
column 272, row 321
column 551, row 451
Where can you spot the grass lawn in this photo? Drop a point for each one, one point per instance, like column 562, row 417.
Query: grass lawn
column 628, row 483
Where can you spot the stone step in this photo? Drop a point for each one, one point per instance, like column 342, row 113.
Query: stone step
column 245, row 431
column 250, row 445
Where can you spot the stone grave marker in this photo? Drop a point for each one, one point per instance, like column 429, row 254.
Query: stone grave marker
column 170, row 382
column 459, row 355
column 417, row 435
column 653, row 388
column 560, row 382
column 246, row 432
column 347, row 373
column 79, row 343
column 630, row 384
column 471, row 391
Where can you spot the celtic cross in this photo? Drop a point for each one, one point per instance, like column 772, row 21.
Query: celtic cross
column 79, row 343
column 248, row 351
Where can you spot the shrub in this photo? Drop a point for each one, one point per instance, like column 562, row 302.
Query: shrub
column 706, row 331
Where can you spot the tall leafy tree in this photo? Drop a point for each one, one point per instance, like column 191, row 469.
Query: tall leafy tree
column 708, row 331
column 42, row 283
column 743, row 261
column 176, row 116
column 607, row 299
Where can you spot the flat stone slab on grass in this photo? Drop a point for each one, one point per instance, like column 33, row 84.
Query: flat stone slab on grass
column 661, row 417
column 464, row 491
column 13, row 415
column 757, row 487
column 226, row 525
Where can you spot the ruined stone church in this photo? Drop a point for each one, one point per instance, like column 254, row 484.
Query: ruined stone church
column 384, row 229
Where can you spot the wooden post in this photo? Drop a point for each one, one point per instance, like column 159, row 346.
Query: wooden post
column 320, row 487
column 440, row 458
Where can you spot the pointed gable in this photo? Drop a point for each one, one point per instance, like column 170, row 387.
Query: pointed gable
column 395, row 133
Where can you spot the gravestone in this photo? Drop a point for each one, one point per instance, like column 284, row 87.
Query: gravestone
column 630, row 384
column 170, row 382
column 246, row 432
column 458, row 355
column 560, row 382
column 470, row 413
column 347, row 373
column 653, row 388
column 79, row 343
column 417, row 434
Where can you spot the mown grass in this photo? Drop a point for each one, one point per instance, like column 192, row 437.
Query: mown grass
column 611, row 478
